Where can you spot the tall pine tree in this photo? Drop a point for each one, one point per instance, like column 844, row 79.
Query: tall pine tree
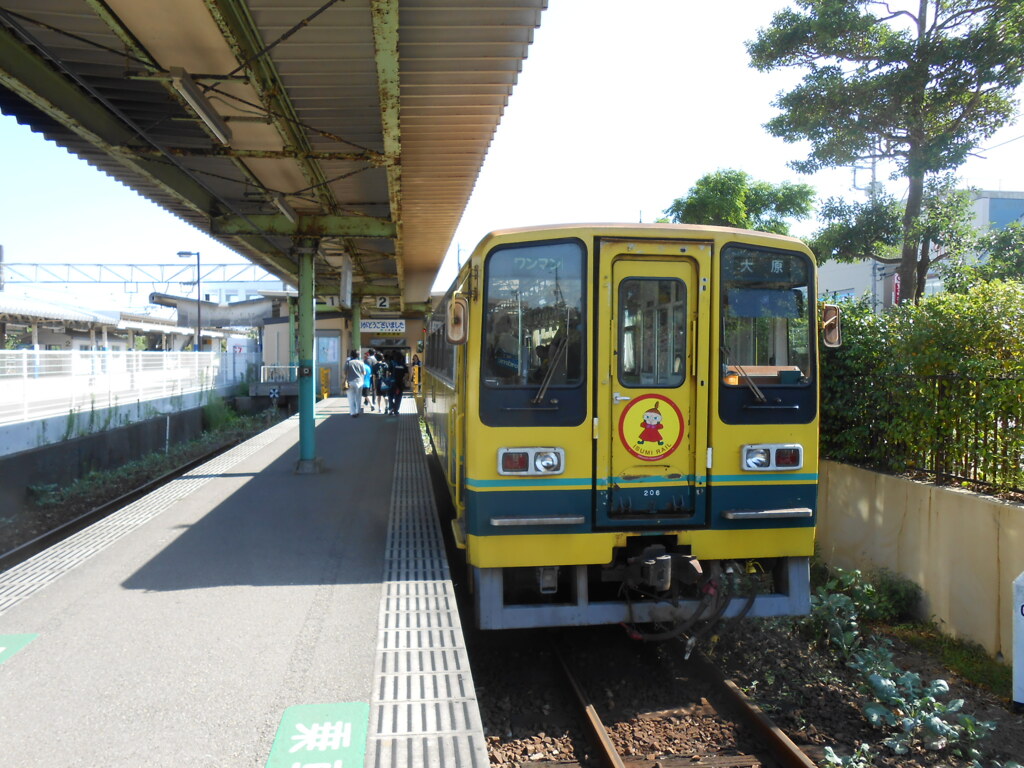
column 920, row 83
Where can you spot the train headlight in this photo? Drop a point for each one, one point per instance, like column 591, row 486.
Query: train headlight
column 531, row 461
column 755, row 457
column 547, row 461
column 772, row 457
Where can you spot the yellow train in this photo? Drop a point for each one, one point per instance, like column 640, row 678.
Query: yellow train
column 627, row 417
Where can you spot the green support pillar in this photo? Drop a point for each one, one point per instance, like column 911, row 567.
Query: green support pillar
column 292, row 357
column 308, row 462
column 357, row 316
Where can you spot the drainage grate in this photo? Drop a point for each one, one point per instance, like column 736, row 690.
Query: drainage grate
column 21, row 581
column 424, row 712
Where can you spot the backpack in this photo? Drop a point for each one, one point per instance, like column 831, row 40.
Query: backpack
column 384, row 377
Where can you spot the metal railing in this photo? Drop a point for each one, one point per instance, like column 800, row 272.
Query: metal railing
column 38, row 384
column 956, row 429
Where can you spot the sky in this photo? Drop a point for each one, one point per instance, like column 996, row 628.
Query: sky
column 619, row 109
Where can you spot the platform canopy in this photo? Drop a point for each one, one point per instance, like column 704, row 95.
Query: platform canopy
column 355, row 128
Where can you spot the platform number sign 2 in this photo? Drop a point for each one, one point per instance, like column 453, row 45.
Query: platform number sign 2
column 383, row 302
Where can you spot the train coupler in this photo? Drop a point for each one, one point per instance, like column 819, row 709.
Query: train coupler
column 656, row 569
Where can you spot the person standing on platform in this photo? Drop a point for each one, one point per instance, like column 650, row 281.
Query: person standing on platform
column 416, row 374
column 399, row 370
column 380, row 372
column 355, row 372
column 368, row 394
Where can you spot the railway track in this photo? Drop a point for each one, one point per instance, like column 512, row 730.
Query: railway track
column 621, row 705
column 780, row 747
column 24, row 551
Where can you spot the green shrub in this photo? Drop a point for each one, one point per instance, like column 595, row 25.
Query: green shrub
column 937, row 387
column 878, row 596
column 218, row 415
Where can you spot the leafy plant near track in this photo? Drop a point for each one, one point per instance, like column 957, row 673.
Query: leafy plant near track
column 936, row 387
column 911, row 711
column 846, row 597
column 861, row 758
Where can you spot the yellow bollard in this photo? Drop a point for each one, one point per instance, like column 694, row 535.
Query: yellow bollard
column 325, row 383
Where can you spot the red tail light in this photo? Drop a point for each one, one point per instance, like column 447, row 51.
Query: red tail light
column 515, row 461
column 787, row 457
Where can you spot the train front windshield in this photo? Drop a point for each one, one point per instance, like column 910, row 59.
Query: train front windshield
column 533, row 326
column 765, row 317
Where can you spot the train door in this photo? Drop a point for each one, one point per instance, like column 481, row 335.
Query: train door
column 649, row 393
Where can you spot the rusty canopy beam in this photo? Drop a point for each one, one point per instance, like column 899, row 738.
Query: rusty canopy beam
column 333, row 225
column 25, row 73
column 156, row 72
column 39, row 84
column 242, row 35
column 385, row 53
column 370, row 158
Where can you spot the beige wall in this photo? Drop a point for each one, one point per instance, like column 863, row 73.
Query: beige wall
column 964, row 550
column 275, row 338
column 276, row 344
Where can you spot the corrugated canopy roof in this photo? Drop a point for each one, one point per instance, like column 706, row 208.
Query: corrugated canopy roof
column 355, row 127
column 14, row 308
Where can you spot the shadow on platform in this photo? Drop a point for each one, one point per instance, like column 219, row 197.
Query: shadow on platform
column 273, row 527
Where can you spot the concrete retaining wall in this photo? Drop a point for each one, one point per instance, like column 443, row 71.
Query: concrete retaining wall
column 964, row 550
column 29, row 435
column 65, row 461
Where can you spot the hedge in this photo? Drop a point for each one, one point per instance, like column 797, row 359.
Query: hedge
column 935, row 388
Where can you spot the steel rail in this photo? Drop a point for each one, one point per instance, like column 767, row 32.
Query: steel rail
column 609, row 756
column 779, row 744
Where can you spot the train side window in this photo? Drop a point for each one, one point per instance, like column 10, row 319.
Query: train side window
column 652, row 332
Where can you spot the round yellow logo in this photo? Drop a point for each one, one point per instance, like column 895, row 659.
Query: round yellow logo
column 651, row 427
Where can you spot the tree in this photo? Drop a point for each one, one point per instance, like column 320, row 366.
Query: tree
column 1002, row 258
column 874, row 230
column 732, row 198
column 921, row 88
column 856, row 231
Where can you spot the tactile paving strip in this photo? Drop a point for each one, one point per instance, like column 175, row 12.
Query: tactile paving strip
column 24, row 579
column 424, row 712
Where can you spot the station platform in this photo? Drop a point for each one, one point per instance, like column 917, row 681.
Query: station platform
column 244, row 615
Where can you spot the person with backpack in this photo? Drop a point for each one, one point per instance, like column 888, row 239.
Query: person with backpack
column 399, row 370
column 380, row 371
column 368, row 362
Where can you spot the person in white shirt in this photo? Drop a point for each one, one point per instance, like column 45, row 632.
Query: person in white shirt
column 355, row 372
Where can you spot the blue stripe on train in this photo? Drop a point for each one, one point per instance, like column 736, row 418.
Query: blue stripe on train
column 483, row 507
column 723, row 498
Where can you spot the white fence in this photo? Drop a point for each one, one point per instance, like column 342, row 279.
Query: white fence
column 39, row 384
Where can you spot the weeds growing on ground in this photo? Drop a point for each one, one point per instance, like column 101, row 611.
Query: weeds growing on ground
column 99, row 486
column 911, row 712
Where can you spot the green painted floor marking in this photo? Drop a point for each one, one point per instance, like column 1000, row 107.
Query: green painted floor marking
column 11, row 644
column 321, row 736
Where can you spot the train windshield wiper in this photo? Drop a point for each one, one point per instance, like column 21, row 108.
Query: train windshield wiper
column 554, row 355
column 758, row 394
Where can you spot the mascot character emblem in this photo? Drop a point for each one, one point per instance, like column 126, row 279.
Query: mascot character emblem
column 651, row 427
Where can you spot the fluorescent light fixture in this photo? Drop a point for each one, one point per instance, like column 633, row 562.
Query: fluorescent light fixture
column 186, row 86
column 287, row 210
